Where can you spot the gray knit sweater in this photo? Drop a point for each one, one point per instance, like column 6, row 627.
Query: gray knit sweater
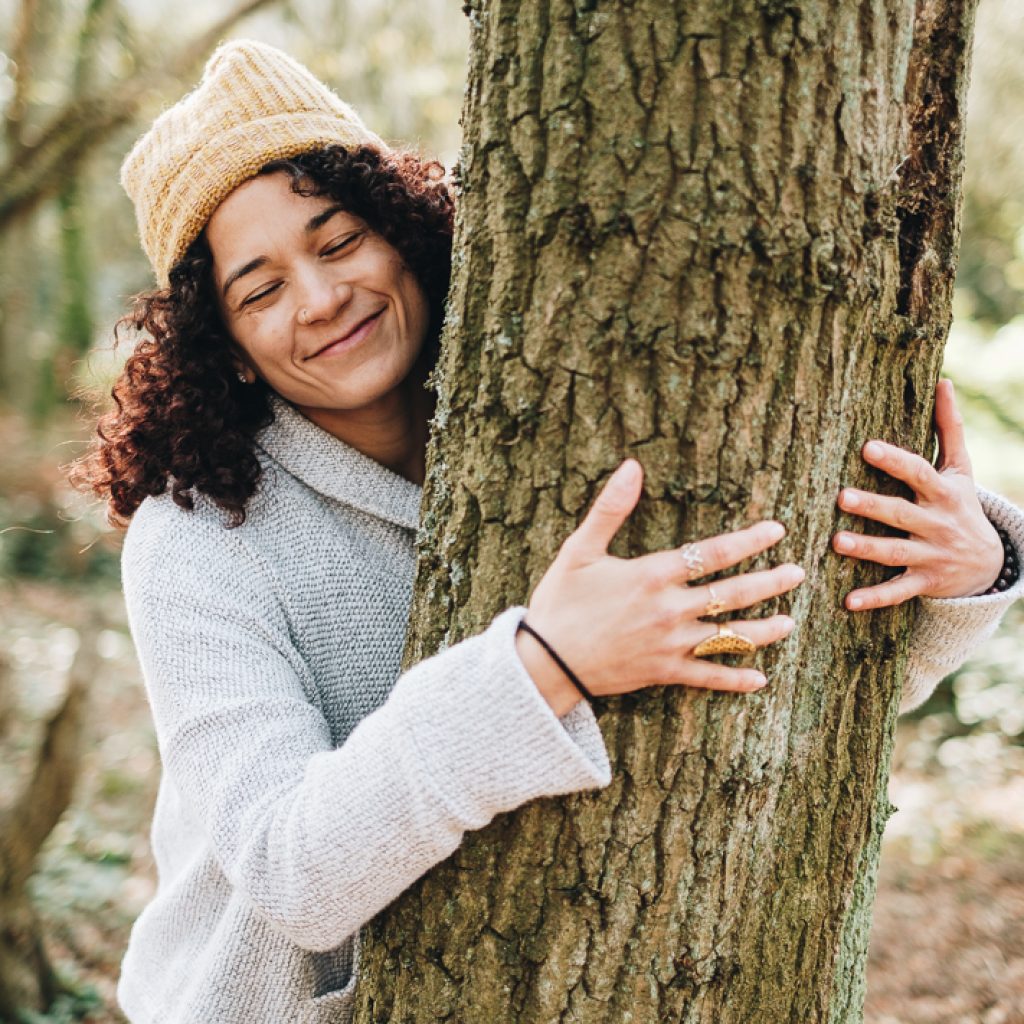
column 306, row 783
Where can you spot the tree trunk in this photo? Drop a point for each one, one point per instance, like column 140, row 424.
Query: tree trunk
column 27, row 978
column 721, row 239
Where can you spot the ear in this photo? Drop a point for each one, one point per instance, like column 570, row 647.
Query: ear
column 240, row 366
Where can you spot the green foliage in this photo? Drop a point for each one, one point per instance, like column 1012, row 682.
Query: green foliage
column 988, row 370
column 69, row 1007
column 991, row 271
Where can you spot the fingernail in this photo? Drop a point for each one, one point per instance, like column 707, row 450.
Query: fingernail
column 873, row 450
column 854, row 603
column 850, row 500
column 788, row 622
column 760, row 680
column 776, row 531
column 844, row 543
column 796, row 573
column 626, row 473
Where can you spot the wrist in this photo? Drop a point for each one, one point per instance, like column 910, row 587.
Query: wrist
column 1009, row 571
column 554, row 685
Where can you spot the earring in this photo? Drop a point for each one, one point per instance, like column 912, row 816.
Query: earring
column 242, row 377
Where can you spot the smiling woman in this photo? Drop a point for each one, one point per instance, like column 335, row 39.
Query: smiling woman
column 324, row 311
column 191, row 397
column 267, row 445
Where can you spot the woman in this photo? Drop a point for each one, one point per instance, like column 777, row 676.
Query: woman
column 268, row 447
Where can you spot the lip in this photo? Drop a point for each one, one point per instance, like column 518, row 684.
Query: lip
column 362, row 330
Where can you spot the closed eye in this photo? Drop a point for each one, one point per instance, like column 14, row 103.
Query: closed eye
column 343, row 244
column 261, row 295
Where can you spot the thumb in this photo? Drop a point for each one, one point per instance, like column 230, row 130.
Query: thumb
column 610, row 510
column 950, row 429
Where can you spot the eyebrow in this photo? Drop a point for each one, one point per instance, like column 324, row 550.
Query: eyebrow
column 322, row 218
column 313, row 224
column 242, row 271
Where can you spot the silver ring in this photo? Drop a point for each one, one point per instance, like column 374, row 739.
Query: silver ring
column 693, row 560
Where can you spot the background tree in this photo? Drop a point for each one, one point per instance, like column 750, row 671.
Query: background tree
column 722, row 240
column 27, row 977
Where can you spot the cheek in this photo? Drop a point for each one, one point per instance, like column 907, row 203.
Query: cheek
column 263, row 342
column 415, row 299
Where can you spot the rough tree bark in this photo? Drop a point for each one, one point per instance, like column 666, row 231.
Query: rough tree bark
column 720, row 238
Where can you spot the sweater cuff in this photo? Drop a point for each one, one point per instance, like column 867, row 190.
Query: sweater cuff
column 487, row 738
column 949, row 628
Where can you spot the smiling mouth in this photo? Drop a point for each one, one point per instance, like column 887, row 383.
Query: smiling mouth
column 360, row 331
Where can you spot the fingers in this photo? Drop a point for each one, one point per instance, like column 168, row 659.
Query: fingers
column 884, row 550
column 708, row 675
column 895, row 591
column 677, row 565
column 610, row 510
column 897, row 512
column 949, row 425
column 711, row 675
column 914, row 471
column 760, row 632
column 744, row 590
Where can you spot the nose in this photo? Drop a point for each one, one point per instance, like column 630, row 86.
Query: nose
column 320, row 296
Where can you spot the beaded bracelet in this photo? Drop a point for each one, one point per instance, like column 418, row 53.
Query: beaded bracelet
column 1010, row 572
column 561, row 664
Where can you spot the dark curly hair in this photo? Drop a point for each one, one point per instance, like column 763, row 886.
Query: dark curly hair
column 182, row 418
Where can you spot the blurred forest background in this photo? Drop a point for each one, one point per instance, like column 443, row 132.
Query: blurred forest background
column 79, row 81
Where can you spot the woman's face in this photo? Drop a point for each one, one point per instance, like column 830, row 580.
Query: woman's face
column 320, row 306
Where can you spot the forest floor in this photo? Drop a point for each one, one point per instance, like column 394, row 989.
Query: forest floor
column 948, row 939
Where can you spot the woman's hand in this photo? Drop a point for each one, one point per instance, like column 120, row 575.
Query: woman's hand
column 624, row 623
column 950, row 548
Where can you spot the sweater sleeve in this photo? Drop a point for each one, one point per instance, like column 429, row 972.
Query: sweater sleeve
column 949, row 629
column 320, row 838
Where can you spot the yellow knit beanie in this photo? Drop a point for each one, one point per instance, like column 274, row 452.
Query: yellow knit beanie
column 254, row 104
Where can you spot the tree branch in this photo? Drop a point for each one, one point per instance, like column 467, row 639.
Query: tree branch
column 21, row 47
column 37, row 171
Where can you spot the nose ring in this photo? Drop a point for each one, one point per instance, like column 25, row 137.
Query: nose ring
column 304, row 317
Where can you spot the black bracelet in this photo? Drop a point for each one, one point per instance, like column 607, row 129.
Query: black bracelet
column 1010, row 572
column 561, row 664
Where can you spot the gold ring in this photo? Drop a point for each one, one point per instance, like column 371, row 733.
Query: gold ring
column 725, row 641
column 693, row 560
column 715, row 604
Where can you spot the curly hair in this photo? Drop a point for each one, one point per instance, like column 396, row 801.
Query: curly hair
column 182, row 418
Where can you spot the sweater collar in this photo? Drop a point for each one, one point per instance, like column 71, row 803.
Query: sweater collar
column 336, row 469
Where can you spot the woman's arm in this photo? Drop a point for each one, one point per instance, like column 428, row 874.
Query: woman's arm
column 320, row 838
